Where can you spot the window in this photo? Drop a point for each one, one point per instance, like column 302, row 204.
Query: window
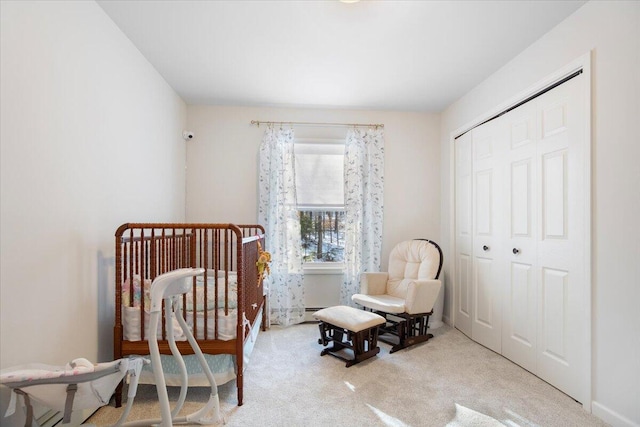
column 320, row 194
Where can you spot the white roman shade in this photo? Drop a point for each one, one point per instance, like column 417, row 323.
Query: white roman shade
column 319, row 175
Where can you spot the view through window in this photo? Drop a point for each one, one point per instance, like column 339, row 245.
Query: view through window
column 322, row 236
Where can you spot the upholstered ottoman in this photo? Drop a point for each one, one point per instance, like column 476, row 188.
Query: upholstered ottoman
column 349, row 328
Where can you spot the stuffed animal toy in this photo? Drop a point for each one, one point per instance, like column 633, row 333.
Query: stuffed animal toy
column 264, row 258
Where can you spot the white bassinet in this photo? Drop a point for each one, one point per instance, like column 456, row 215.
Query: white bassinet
column 78, row 385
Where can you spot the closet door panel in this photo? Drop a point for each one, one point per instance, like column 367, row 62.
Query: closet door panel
column 520, row 294
column 563, row 291
column 464, row 227
column 484, row 279
column 487, row 141
column 519, row 309
column 519, row 337
column 554, row 315
column 554, row 195
column 484, row 203
column 520, row 212
column 463, row 321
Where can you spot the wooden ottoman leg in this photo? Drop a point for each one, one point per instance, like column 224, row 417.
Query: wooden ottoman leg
column 359, row 339
column 373, row 338
column 337, row 341
column 324, row 339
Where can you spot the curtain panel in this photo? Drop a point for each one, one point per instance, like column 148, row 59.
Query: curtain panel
column 277, row 211
column 364, row 202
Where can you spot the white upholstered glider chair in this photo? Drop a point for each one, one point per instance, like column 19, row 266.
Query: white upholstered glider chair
column 406, row 294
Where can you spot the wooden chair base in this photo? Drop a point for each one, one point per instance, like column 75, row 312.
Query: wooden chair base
column 409, row 330
column 395, row 345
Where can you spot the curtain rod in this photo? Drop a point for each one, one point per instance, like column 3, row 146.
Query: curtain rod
column 371, row 125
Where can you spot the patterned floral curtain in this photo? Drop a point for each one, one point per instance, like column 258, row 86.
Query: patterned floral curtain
column 278, row 213
column 363, row 193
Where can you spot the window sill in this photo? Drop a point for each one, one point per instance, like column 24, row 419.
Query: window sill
column 323, row 268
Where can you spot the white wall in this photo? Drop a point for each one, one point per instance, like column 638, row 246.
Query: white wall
column 90, row 139
column 222, row 164
column 612, row 31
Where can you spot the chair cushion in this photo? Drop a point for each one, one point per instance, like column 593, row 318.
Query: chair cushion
column 398, row 288
column 412, row 259
column 386, row 303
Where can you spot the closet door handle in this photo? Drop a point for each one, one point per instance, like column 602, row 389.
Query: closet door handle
column 485, row 248
column 516, row 251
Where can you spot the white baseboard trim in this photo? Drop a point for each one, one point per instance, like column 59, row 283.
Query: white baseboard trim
column 446, row 320
column 435, row 324
column 611, row 417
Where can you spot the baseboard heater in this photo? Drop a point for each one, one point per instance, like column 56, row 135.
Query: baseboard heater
column 308, row 313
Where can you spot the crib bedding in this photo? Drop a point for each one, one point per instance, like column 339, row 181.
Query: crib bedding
column 226, row 325
column 225, row 319
column 227, row 294
column 224, row 309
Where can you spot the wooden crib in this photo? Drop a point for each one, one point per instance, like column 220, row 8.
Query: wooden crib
column 225, row 305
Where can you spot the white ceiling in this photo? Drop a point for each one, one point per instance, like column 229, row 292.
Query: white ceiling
column 383, row 55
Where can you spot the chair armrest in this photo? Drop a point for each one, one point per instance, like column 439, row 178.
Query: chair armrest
column 373, row 283
column 422, row 295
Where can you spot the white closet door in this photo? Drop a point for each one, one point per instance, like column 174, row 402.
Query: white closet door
column 529, row 231
column 463, row 261
column 562, row 289
column 520, row 296
column 487, row 241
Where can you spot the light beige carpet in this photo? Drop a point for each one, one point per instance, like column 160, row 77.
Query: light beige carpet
column 448, row 381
